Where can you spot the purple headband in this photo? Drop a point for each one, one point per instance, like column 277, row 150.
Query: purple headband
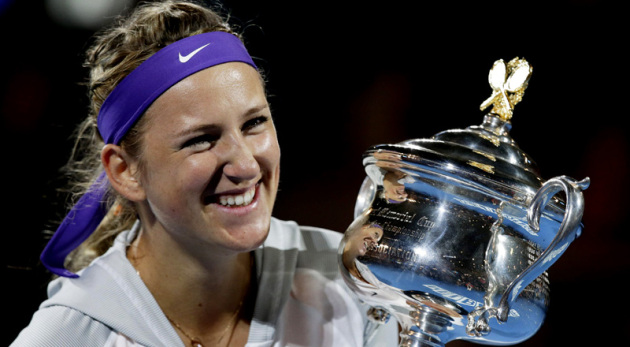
column 120, row 111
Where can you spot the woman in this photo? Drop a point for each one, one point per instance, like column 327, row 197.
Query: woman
column 181, row 144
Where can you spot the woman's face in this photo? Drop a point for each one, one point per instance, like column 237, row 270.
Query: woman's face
column 211, row 160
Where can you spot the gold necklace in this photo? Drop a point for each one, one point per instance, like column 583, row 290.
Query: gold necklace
column 193, row 342
column 196, row 342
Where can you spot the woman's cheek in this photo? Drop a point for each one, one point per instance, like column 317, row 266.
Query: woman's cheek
column 267, row 147
column 198, row 171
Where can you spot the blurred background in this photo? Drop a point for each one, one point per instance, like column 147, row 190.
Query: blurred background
column 343, row 76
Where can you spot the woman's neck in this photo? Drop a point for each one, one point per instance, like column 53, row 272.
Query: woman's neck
column 208, row 299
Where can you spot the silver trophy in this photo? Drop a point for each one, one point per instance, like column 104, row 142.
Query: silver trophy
column 453, row 234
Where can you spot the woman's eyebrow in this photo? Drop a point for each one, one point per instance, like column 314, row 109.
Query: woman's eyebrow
column 255, row 109
column 194, row 129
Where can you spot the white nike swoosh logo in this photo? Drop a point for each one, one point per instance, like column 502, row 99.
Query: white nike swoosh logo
column 183, row 59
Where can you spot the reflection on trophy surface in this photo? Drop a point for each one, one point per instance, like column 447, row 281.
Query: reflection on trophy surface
column 453, row 234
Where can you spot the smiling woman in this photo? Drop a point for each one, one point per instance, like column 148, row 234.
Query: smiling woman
column 172, row 240
column 229, row 153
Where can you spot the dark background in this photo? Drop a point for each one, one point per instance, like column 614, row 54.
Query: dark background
column 346, row 75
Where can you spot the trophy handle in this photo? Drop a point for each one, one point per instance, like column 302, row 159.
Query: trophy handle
column 568, row 231
column 366, row 195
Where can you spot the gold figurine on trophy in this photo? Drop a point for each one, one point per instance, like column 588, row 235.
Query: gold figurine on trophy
column 508, row 84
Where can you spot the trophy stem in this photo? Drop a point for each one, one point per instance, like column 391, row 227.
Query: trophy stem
column 425, row 330
column 416, row 339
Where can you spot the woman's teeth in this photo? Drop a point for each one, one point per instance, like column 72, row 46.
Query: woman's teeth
column 238, row 200
column 370, row 245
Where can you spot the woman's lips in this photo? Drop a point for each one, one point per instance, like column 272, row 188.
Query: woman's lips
column 368, row 245
column 243, row 199
column 234, row 199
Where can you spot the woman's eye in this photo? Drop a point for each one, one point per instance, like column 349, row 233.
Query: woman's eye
column 255, row 122
column 200, row 142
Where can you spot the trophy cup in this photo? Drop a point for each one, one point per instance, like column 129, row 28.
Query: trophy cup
column 454, row 234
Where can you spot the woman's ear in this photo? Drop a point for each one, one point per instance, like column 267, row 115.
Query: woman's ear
column 122, row 171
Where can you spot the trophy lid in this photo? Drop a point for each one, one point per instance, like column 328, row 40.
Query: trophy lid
column 483, row 155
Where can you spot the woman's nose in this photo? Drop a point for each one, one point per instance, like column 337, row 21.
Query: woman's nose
column 240, row 161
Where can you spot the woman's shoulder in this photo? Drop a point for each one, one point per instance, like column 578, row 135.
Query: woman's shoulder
column 62, row 326
column 313, row 248
column 305, row 237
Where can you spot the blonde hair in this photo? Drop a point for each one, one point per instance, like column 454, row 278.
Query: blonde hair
column 115, row 52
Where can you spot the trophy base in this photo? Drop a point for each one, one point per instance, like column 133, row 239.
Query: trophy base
column 426, row 329
column 417, row 339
